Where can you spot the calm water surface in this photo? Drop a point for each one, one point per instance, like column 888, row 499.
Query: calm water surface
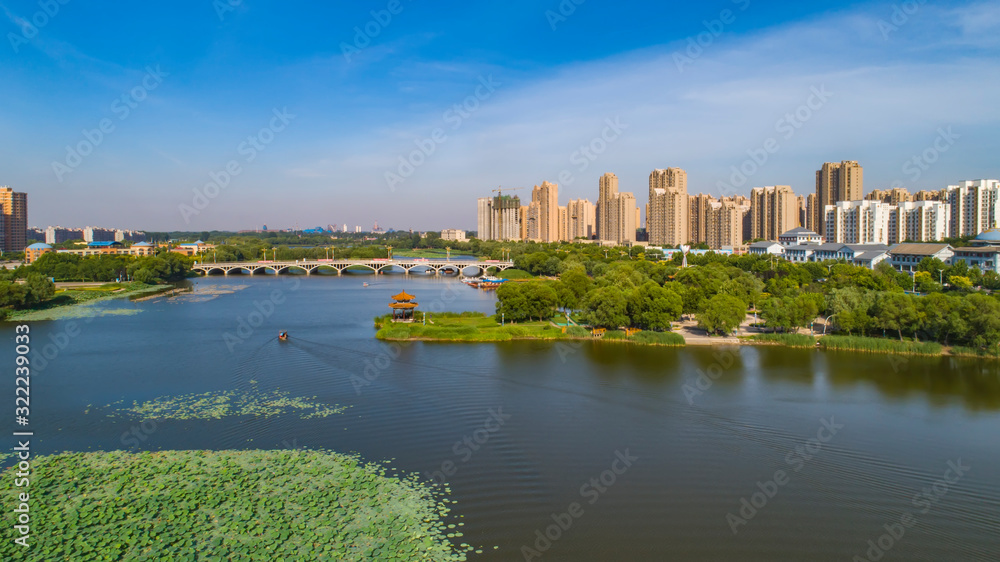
column 883, row 430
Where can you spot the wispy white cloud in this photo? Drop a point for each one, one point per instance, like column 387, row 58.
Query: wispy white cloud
column 888, row 99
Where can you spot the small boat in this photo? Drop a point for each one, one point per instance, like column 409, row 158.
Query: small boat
column 471, row 281
column 283, row 336
column 366, row 284
column 489, row 283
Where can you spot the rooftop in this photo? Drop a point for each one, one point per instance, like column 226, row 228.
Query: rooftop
column 918, row 249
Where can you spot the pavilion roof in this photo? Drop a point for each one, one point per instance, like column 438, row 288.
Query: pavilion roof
column 403, row 297
column 403, row 305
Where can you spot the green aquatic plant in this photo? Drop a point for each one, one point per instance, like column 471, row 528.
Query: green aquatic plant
column 224, row 404
column 227, row 505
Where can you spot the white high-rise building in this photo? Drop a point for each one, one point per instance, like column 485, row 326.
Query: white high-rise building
column 858, row 222
column 975, row 207
column 485, row 218
column 920, row 221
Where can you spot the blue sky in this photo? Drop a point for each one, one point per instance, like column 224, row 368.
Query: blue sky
column 200, row 78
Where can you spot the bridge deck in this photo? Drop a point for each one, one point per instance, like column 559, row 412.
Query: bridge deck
column 376, row 266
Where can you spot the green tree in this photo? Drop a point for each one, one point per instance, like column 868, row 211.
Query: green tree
column 38, row 289
column 655, row 308
column 961, row 282
column 851, row 307
column 607, row 308
column 722, row 314
column 573, row 287
column 897, row 312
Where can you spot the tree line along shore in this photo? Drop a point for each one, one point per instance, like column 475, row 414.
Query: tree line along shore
column 642, row 300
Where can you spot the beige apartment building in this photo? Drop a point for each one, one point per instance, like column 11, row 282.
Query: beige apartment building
column 607, row 194
column 13, row 220
column 698, row 211
column 582, row 215
column 724, row 223
column 837, row 182
column 667, row 220
column 773, row 210
column 812, row 212
column 545, row 199
column 623, row 222
column 893, row 196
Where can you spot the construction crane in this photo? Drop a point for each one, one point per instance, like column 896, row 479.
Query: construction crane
column 499, row 191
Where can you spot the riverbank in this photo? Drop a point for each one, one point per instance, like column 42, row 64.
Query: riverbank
column 237, row 505
column 75, row 302
column 471, row 327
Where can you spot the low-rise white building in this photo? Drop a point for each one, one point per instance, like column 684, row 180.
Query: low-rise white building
column 453, row 235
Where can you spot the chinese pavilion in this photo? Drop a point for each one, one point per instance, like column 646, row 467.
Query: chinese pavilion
column 403, row 308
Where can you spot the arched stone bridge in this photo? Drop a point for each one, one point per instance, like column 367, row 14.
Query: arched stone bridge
column 376, row 266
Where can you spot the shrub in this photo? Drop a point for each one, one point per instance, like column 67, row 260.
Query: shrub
column 880, row 345
column 659, row 338
column 790, row 340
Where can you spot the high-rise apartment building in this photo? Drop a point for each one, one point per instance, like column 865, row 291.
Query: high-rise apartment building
column 582, row 215
column 698, row 209
column 14, row 212
column 484, row 214
column 893, row 196
column 858, row 222
column 499, row 218
column 812, row 213
column 546, row 196
column 923, row 195
column 975, row 207
column 838, row 182
column 919, row 221
column 607, row 194
column 623, row 223
column 563, row 224
column 58, row 234
column 773, row 211
column 724, row 223
column 667, row 219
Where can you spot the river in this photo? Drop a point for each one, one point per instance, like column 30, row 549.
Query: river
column 614, row 452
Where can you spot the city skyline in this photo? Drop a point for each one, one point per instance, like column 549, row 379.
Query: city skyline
column 732, row 88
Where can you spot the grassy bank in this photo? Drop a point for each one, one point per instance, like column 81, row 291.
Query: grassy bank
column 229, row 505
column 477, row 327
column 73, row 303
column 974, row 352
column 787, row 340
column 880, row 345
